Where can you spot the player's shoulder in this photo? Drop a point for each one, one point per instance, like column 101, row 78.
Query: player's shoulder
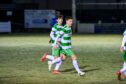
column 59, row 26
column 64, row 27
column 54, row 28
column 67, row 28
column 124, row 33
column 55, row 25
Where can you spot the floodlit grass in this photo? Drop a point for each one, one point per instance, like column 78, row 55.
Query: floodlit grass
column 98, row 56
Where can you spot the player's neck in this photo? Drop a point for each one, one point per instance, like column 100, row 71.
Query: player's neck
column 59, row 24
column 68, row 25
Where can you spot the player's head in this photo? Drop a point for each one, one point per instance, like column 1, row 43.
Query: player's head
column 60, row 19
column 69, row 21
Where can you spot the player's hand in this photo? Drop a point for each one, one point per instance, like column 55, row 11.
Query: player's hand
column 58, row 43
column 55, row 46
column 121, row 49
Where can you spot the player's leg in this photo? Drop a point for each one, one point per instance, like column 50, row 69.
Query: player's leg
column 49, row 65
column 56, row 70
column 50, row 57
column 124, row 67
column 75, row 64
column 124, row 71
column 56, row 54
column 124, row 58
column 46, row 56
column 69, row 52
column 62, row 55
column 119, row 73
column 54, row 58
column 58, row 65
column 59, row 58
column 124, row 64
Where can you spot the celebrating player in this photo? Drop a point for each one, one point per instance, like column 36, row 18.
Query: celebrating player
column 55, row 51
column 123, row 50
column 65, row 35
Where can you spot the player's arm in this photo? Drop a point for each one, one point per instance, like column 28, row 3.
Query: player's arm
column 56, row 41
column 57, row 38
column 123, row 43
column 52, row 34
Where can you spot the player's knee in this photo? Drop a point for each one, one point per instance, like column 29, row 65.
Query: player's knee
column 63, row 57
column 74, row 57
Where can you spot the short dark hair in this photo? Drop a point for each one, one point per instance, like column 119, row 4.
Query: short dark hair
column 68, row 17
column 60, row 17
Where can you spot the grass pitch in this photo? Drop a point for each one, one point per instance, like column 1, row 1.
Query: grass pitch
column 98, row 56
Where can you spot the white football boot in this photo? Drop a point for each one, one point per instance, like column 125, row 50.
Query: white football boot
column 81, row 74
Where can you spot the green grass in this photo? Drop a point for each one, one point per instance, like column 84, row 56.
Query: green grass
column 98, row 56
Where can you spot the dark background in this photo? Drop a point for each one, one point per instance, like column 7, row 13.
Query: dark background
column 85, row 13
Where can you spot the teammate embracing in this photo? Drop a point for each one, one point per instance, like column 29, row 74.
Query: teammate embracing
column 65, row 35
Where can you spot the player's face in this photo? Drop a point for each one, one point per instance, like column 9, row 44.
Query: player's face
column 69, row 22
column 60, row 21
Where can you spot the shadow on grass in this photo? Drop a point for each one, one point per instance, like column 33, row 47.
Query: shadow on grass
column 82, row 67
column 72, row 69
column 89, row 70
column 114, row 81
column 95, row 69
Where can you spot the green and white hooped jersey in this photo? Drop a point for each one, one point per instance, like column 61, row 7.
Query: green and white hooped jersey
column 66, row 34
column 55, row 31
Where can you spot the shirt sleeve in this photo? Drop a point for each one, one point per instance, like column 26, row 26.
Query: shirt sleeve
column 62, row 32
column 59, row 35
column 52, row 33
column 123, row 41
